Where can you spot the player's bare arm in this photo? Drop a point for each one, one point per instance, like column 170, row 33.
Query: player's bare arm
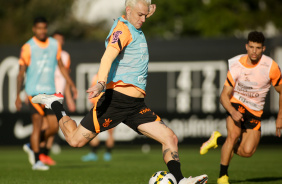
column 106, row 62
column 279, row 116
column 225, row 101
column 20, row 79
column 65, row 73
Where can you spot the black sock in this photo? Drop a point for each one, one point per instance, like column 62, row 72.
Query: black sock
column 47, row 151
column 108, row 149
column 174, row 168
column 44, row 150
column 223, row 170
column 36, row 155
column 58, row 109
column 94, row 149
column 42, row 135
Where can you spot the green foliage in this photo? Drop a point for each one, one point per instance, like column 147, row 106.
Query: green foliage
column 211, row 19
column 173, row 19
column 16, row 17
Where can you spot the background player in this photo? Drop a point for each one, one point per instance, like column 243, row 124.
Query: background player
column 61, row 87
column 38, row 60
column 243, row 96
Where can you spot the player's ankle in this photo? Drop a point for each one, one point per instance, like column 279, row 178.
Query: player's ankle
column 58, row 109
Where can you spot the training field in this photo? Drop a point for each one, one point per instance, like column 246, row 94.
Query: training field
column 131, row 166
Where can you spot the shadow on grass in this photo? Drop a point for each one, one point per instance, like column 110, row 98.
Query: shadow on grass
column 258, row 180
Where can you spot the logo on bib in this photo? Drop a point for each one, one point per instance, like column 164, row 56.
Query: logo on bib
column 116, row 36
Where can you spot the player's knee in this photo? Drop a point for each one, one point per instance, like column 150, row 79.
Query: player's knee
column 233, row 138
column 54, row 129
column 248, row 152
column 75, row 143
column 172, row 139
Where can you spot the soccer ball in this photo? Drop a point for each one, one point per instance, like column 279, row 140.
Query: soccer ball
column 162, row 177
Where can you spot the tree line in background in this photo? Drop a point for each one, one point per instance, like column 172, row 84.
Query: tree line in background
column 173, row 19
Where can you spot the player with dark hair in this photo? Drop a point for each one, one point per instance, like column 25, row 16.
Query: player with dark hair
column 248, row 81
column 38, row 60
column 61, row 87
column 123, row 75
column 37, row 20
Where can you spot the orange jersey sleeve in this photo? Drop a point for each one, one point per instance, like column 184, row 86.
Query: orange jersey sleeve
column 25, row 55
column 121, row 37
column 229, row 80
column 275, row 74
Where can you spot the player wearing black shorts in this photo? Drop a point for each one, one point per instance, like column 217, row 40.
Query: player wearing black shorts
column 123, row 74
column 250, row 120
column 249, row 79
column 113, row 108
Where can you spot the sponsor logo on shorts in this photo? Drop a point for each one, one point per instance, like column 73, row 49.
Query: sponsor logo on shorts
column 107, row 122
column 143, row 111
column 255, row 121
column 116, row 36
column 241, row 109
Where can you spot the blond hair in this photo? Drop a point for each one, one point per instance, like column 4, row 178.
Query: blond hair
column 132, row 3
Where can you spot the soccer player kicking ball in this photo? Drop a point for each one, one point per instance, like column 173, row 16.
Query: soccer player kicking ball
column 243, row 96
column 123, row 75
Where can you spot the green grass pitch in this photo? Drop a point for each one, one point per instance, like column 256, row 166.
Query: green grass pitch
column 131, row 166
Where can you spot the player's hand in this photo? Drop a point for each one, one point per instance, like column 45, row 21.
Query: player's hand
column 278, row 127
column 152, row 9
column 18, row 103
column 95, row 90
column 236, row 116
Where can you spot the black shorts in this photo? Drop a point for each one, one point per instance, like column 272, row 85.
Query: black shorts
column 113, row 108
column 38, row 108
column 250, row 121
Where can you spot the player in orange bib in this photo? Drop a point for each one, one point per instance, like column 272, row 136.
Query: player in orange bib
column 39, row 57
column 61, row 87
column 248, row 81
column 121, row 89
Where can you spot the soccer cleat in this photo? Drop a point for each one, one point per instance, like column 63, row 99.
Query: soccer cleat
column 195, row 180
column 47, row 100
column 46, row 159
column 107, row 156
column 89, row 157
column 211, row 143
column 28, row 150
column 223, row 180
column 39, row 166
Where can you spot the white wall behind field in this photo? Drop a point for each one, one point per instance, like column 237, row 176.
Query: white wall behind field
column 95, row 11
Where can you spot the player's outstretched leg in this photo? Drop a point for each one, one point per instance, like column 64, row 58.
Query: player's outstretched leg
column 76, row 136
column 160, row 132
column 211, row 143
